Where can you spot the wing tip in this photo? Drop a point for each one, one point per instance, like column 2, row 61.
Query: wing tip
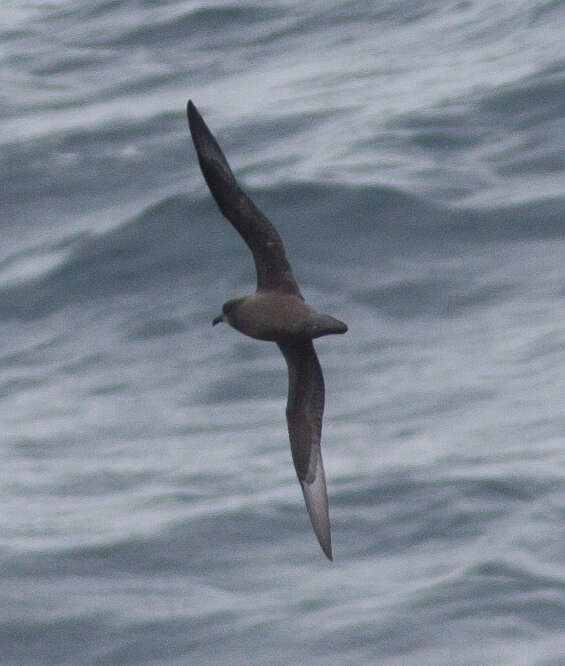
column 191, row 110
column 194, row 118
column 213, row 163
column 328, row 552
column 316, row 499
column 325, row 541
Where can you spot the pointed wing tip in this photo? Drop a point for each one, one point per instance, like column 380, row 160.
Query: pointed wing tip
column 325, row 541
column 319, row 517
column 201, row 135
column 316, row 499
column 328, row 553
column 215, row 168
column 194, row 117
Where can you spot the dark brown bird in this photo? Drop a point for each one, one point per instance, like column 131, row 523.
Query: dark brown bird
column 276, row 312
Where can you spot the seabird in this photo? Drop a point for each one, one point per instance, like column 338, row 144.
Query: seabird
column 276, row 312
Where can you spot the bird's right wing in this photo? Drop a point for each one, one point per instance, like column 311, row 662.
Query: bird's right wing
column 273, row 269
column 304, row 412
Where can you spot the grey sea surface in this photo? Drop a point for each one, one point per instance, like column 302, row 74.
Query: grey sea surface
column 412, row 157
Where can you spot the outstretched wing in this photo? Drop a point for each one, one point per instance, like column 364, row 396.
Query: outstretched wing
column 304, row 411
column 273, row 269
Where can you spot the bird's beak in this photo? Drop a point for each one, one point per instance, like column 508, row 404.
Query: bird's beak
column 218, row 319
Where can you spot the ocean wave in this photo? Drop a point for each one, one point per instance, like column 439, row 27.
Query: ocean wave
column 178, row 237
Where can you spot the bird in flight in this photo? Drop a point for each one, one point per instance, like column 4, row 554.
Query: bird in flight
column 276, row 312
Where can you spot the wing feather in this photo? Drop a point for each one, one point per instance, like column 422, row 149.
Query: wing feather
column 273, row 268
column 304, row 411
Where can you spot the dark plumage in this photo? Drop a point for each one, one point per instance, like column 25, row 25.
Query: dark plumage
column 276, row 312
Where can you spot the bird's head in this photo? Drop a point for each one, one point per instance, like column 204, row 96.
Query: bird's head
column 227, row 309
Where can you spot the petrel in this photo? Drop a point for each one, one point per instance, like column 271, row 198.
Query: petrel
column 276, row 312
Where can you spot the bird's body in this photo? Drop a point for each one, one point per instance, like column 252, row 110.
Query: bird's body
column 276, row 317
column 276, row 312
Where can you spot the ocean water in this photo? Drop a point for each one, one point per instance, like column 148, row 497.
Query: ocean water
column 412, row 156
